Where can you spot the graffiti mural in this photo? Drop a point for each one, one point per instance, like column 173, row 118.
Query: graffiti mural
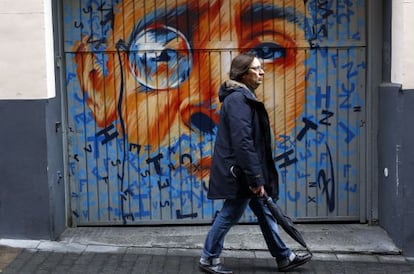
column 142, row 79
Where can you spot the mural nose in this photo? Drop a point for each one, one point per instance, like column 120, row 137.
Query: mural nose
column 202, row 122
column 198, row 117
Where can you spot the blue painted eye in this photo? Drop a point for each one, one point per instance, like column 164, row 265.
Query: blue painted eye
column 269, row 52
column 160, row 58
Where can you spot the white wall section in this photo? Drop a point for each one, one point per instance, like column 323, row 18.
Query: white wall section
column 403, row 43
column 26, row 54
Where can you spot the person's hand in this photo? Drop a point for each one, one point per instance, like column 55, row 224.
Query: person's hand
column 259, row 191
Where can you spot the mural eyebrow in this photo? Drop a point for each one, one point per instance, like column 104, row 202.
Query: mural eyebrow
column 177, row 17
column 257, row 13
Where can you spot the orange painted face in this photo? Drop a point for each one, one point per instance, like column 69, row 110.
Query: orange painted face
column 167, row 59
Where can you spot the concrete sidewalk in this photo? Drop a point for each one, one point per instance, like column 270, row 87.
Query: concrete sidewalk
column 320, row 238
column 328, row 242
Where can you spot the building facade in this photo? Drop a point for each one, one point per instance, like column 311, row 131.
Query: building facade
column 123, row 110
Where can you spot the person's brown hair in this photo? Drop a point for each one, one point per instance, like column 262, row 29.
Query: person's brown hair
column 240, row 65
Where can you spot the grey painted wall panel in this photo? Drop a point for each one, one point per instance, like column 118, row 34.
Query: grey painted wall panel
column 24, row 195
column 56, row 180
column 29, row 158
column 408, row 173
column 395, row 149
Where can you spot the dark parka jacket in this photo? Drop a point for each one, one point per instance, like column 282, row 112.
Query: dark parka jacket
column 242, row 153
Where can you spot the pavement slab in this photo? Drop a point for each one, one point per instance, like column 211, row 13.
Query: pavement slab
column 41, row 262
column 7, row 255
column 336, row 248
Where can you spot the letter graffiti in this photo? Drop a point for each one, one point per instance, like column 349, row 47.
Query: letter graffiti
column 143, row 107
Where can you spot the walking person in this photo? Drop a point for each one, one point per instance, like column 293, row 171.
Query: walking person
column 242, row 167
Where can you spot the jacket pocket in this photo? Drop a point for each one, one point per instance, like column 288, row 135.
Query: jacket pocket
column 236, row 172
column 232, row 172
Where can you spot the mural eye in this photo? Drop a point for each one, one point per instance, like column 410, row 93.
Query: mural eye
column 269, row 52
column 160, row 57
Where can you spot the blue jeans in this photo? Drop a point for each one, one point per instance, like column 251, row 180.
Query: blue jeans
column 230, row 215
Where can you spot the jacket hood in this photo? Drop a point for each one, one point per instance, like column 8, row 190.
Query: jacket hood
column 231, row 86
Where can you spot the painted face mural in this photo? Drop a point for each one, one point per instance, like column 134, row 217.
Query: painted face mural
column 143, row 78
